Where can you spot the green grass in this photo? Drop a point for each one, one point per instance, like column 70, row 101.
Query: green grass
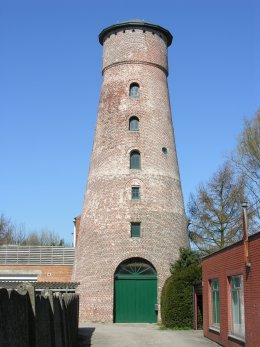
column 162, row 327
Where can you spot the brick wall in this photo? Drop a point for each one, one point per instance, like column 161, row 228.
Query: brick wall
column 46, row 273
column 104, row 238
column 222, row 265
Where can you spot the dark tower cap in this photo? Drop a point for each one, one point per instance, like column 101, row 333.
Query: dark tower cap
column 136, row 23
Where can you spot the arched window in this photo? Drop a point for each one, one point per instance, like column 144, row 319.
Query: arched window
column 135, row 193
column 133, row 124
column 134, row 90
column 135, row 266
column 135, row 160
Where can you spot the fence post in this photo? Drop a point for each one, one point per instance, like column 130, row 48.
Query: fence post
column 47, row 294
column 25, row 287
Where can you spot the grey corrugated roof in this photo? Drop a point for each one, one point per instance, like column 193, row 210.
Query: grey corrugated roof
column 41, row 285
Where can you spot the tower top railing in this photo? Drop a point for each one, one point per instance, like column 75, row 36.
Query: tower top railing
column 136, row 23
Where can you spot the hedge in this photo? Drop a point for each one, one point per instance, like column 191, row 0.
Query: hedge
column 177, row 298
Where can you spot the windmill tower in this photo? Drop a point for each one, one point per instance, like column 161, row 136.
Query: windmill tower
column 133, row 221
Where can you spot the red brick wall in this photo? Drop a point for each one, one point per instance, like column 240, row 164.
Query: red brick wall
column 48, row 273
column 222, row 265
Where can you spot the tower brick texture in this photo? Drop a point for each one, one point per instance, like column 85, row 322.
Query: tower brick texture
column 134, row 55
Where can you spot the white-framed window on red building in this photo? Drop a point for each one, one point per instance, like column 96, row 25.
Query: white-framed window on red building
column 215, row 319
column 237, row 306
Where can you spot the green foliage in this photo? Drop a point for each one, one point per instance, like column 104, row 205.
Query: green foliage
column 187, row 258
column 177, row 293
column 162, row 327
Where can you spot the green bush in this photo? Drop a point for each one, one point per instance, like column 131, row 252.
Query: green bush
column 177, row 296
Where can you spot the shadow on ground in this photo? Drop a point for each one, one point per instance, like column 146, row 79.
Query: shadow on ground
column 84, row 336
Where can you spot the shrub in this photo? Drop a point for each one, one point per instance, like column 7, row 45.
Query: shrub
column 177, row 295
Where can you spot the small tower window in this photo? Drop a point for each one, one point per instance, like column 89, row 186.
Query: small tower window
column 164, row 150
column 133, row 124
column 134, row 90
column 135, row 160
column 135, row 229
column 135, row 193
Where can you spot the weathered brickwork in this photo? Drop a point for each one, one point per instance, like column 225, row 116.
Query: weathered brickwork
column 46, row 273
column 136, row 55
column 222, row 265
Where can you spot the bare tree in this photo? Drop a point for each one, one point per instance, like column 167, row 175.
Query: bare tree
column 43, row 237
column 32, row 239
column 6, row 230
column 49, row 238
column 215, row 211
column 11, row 233
column 18, row 235
column 247, row 159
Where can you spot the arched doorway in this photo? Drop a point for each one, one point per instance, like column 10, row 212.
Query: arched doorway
column 135, row 297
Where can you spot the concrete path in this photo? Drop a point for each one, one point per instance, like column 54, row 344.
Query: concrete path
column 139, row 335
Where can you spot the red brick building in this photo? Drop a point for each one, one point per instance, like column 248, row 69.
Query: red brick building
column 133, row 221
column 231, row 295
column 36, row 263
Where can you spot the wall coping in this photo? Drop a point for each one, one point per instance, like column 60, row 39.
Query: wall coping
column 250, row 238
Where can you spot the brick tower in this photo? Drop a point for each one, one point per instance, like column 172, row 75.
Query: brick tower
column 133, row 221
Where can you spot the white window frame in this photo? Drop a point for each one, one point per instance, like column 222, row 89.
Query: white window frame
column 214, row 295
column 237, row 314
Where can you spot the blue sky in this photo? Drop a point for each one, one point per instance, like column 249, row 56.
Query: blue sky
column 50, row 79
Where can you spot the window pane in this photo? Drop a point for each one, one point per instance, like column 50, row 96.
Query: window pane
column 216, row 307
column 237, row 306
column 215, row 303
column 135, row 229
column 134, row 90
column 135, row 160
column 134, row 124
column 215, row 284
column 135, row 193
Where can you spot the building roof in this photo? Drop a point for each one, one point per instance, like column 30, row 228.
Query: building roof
column 57, row 286
column 135, row 23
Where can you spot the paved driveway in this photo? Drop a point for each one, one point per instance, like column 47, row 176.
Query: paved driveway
column 139, row 335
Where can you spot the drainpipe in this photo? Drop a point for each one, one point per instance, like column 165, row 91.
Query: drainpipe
column 195, row 308
column 74, row 232
column 244, row 215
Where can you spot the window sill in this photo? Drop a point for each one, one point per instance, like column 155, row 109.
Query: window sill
column 237, row 339
column 214, row 330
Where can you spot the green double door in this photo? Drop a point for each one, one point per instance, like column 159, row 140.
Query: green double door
column 135, row 299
